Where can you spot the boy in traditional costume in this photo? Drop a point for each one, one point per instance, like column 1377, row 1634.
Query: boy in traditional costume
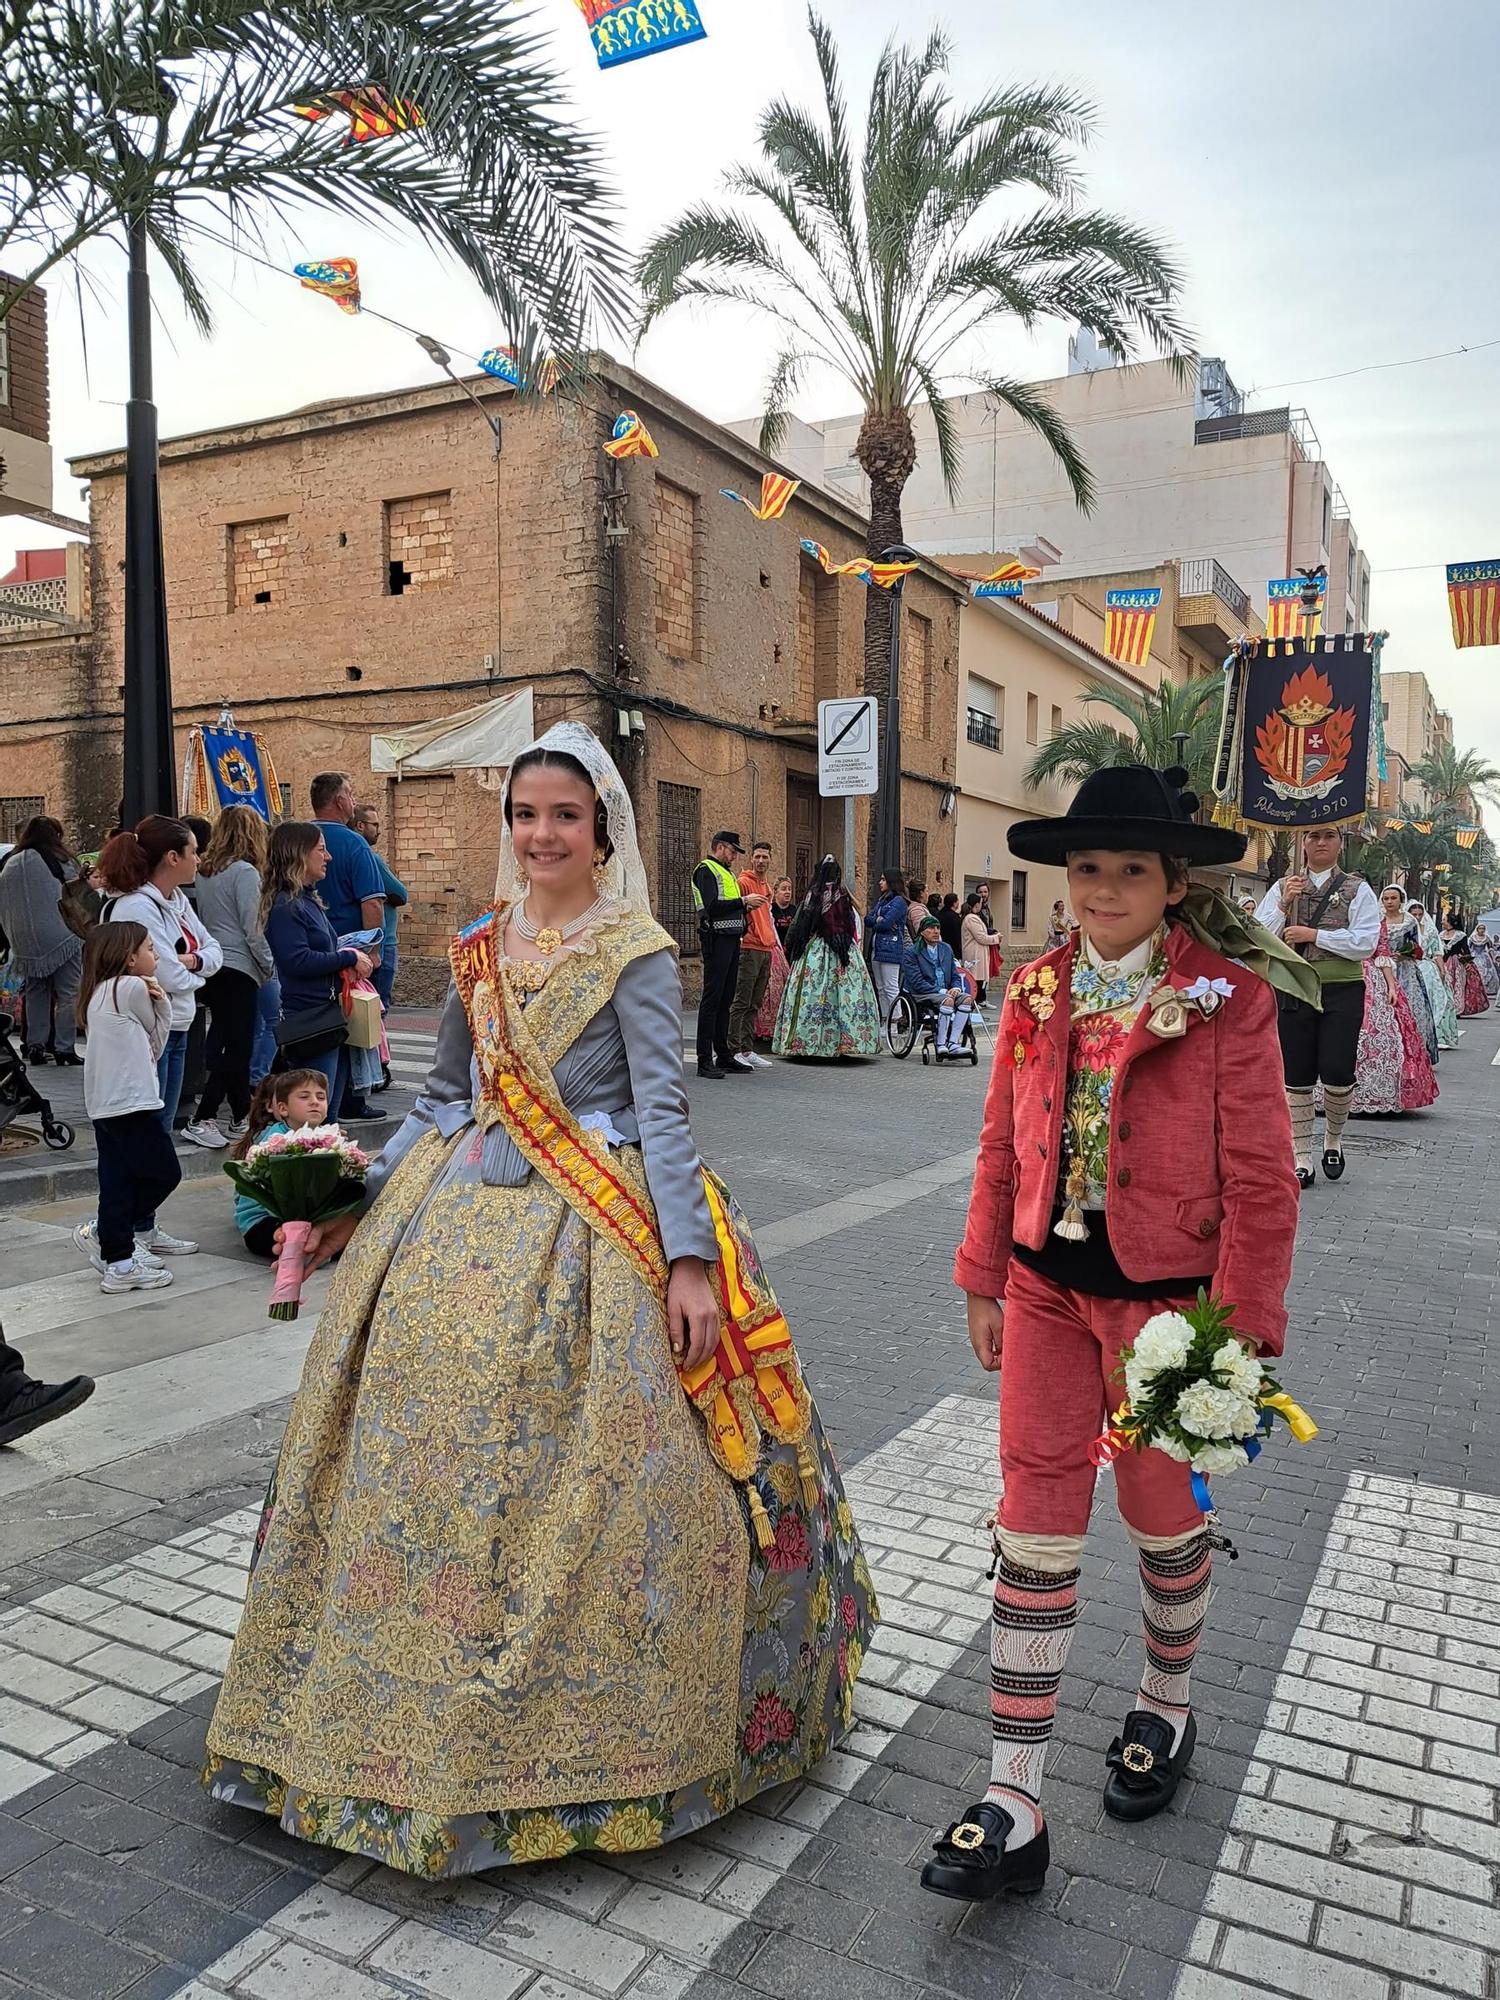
column 1134, row 1148
column 1332, row 920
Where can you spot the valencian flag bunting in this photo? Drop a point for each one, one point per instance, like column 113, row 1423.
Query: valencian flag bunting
column 1474, row 603
column 881, row 574
column 1009, row 580
column 1129, row 624
column 373, row 112
column 630, row 438
column 776, row 490
column 1285, row 617
column 621, row 30
column 337, row 278
column 1467, row 835
column 226, row 766
column 1299, row 744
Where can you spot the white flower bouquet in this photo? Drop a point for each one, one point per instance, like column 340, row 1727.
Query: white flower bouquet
column 1194, row 1390
column 302, row 1178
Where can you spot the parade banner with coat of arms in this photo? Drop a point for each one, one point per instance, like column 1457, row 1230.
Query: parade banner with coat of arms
column 225, row 766
column 1299, row 744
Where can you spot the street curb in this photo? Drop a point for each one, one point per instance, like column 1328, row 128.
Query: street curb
column 70, row 1178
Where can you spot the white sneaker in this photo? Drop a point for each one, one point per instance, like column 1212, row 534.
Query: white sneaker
column 164, row 1245
column 204, row 1132
column 760, row 1061
column 138, row 1276
column 238, row 1130
column 86, row 1237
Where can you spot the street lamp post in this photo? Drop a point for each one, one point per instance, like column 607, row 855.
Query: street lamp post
column 150, row 784
column 888, row 799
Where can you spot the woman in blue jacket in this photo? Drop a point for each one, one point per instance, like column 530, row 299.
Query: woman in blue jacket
column 308, row 956
column 929, row 974
column 886, row 925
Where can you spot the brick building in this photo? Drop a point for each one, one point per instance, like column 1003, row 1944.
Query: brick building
column 365, row 565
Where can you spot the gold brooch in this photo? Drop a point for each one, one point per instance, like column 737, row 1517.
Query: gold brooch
column 526, row 975
column 1136, row 1757
column 968, row 1836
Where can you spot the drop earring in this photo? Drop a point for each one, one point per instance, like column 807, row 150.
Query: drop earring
column 601, row 863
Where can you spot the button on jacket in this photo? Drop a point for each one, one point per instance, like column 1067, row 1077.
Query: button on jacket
column 1200, row 1147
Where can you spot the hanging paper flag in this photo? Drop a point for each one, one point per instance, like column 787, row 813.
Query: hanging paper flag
column 1474, row 603
column 337, row 278
column 630, row 438
column 882, row 574
column 1130, row 624
column 1009, row 580
column 501, row 362
column 1467, row 835
column 621, row 30
column 1285, row 615
column 776, row 491
column 373, row 112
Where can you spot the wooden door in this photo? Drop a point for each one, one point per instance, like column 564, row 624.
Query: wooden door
column 802, row 830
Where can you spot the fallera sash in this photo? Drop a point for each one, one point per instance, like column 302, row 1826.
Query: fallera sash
column 753, row 1382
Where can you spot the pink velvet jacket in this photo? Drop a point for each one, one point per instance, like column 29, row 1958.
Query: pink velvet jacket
column 1200, row 1146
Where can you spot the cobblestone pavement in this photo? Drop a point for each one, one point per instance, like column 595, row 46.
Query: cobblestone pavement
column 1338, row 1836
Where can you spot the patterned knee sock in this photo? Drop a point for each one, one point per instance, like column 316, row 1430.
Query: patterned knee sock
column 1174, row 1598
column 1300, row 1103
column 1335, row 1114
column 1034, row 1620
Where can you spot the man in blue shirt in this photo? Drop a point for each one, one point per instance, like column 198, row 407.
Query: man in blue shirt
column 353, row 890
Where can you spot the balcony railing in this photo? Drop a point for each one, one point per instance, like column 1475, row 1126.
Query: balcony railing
column 983, row 728
column 1206, row 577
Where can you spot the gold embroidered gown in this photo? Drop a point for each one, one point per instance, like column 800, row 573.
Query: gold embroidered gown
column 507, row 1605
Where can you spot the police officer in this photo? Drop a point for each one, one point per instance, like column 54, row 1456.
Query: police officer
column 721, row 925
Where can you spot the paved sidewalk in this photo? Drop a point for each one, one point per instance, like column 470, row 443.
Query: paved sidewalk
column 1338, row 1836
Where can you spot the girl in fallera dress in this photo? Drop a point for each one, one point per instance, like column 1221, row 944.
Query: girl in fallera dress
column 1445, row 1012
column 829, row 1007
column 555, row 1560
column 1461, row 973
column 1392, row 1070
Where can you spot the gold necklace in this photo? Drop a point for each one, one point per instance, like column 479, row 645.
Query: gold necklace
column 530, row 975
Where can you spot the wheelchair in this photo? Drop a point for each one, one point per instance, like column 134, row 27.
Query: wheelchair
column 913, row 1020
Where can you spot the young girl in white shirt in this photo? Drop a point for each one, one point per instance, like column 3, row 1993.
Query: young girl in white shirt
column 128, row 1017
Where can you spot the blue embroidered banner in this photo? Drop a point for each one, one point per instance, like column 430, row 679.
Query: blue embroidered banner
column 235, row 769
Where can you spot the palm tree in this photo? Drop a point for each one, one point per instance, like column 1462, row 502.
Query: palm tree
column 876, row 266
column 1457, row 778
column 1177, row 717
column 168, row 123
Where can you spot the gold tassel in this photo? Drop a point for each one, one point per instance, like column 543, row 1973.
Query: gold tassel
column 760, row 1520
column 807, row 1466
column 1071, row 1227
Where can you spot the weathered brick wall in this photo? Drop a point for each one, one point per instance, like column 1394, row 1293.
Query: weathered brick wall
column 676, row 565
column 57, row 741
column 26, row 327
column 419, row 542
column 258, row 564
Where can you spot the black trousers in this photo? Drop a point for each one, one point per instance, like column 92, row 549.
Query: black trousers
column 14, row 1381
column 1321, row 1048
column 721, row 968
column 138, row 1169
column 231, row 999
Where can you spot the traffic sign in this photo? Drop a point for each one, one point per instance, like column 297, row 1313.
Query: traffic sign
column 848, row 747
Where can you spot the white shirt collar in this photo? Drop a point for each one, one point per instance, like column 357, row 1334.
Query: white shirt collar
column 1318, row 880
column 1127, row 967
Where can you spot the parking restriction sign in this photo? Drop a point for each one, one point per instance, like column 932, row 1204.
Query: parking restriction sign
column 848, row 747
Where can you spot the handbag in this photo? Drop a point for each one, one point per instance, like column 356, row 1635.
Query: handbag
column 314, row 1031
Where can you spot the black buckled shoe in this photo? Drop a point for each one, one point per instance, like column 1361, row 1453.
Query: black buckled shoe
column 1144, row 1769
column 1306, row 1178
column 1333, row 1164
column 971, row 1863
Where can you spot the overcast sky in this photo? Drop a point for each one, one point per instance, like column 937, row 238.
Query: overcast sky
column 1324, row 168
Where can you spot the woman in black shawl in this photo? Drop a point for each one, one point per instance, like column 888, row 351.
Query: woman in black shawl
column 828, row 1008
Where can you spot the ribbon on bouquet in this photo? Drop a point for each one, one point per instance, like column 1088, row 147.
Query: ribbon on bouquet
column 1298, row 1422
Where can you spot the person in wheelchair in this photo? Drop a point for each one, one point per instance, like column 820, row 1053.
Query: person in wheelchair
column 936, row 987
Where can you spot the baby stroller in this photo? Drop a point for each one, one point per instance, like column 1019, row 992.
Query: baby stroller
column 20, row 1096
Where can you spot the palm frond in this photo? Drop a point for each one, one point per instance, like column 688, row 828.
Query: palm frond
column 1038, row 415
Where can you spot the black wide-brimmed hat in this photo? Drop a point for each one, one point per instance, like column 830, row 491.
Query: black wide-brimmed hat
column 1125, row 807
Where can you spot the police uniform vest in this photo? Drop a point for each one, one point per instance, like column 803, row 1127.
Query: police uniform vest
column 1328, row 909
column 723, row 923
